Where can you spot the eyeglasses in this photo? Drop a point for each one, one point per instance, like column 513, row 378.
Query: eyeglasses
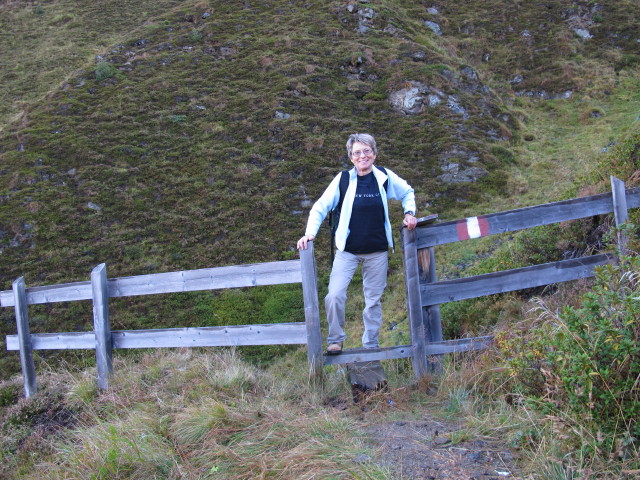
column 366, row 152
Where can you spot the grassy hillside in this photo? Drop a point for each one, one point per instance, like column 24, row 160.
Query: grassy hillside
column 157, row 136
column 166, row 135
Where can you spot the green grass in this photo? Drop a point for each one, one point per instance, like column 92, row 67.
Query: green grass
column 54, row 39
column 231, row 421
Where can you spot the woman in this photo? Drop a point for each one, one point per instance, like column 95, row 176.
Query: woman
column 363, row 236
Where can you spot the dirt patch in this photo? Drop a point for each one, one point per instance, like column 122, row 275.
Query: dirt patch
column 431, row 449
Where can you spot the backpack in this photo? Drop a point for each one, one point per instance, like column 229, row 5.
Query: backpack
column 334, row 215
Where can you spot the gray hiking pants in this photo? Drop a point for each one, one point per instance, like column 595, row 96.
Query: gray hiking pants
column 374, row 281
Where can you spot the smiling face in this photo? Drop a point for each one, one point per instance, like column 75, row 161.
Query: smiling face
column 362, row 156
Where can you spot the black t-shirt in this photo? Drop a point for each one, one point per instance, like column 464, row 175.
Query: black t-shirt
column 366, row 227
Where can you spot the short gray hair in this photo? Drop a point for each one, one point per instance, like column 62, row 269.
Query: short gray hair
column 362, row 138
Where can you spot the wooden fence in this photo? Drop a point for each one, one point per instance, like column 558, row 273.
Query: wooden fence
column 424, row 293
column 103, row 340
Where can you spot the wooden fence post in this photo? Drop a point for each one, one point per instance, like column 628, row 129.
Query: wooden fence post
column 427, row 266
column 311, row 309
column 620, row 212
column 431, row 313
column 101, row 327
column 414, row 302
column 24, row 338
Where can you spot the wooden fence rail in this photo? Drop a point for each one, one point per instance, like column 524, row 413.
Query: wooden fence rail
column 424, row 293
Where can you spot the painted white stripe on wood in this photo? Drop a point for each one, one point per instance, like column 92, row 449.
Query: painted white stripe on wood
column 473, row 227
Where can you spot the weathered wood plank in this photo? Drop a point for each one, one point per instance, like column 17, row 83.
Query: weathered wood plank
column 101, row 325
column 428, row 220
column 633, row 197
column 124, row 339
column 369, row 354
column 230, row 336
column 620, row 212
column 25, row 344
column 414, row 307
column 237, row 335
column 56, row 341
column 459, row 345
column 431, row 313
column 522, row 218
column 311, row 309
column 367, row 375
column 63, row 292
column 510, row 280
column 366, row 378
column 251, row 275
column 404, row 351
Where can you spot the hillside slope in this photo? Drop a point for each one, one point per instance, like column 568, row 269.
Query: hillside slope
column 202, row 131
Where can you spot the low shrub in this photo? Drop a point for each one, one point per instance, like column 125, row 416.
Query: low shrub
column 105, row 70
column 581, row 365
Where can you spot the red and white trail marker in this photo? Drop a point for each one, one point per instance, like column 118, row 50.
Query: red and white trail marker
column 472, row 227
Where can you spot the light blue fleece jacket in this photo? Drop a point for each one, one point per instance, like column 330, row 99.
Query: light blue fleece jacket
column 398, row 189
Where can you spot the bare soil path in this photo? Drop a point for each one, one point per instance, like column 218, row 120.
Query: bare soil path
column 433, row 449
column 430, row 447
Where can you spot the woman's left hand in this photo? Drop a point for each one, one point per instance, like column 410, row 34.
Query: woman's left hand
column 410, row 221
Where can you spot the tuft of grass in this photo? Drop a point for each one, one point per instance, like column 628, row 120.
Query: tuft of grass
column 151, row 425
column 105, row 70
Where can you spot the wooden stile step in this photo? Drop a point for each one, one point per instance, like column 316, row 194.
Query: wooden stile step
column 366, row 378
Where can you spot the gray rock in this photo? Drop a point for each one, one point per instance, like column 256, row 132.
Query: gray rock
column 461, row 175
column 365, row 19
column 458, row 165
column 391, row 30
column 455, row 107
column 434, row 100
column 419, row 55
column 469, row 72
column 412, row 100
column 434, row 27
column 368, row 13
column 583, row 33
column 409, row 101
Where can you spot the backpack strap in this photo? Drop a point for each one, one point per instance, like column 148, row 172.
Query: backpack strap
column 334, row 215
column 386, row 182
column 344, row 184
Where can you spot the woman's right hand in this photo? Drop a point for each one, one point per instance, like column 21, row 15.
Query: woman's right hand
column 302, row 243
